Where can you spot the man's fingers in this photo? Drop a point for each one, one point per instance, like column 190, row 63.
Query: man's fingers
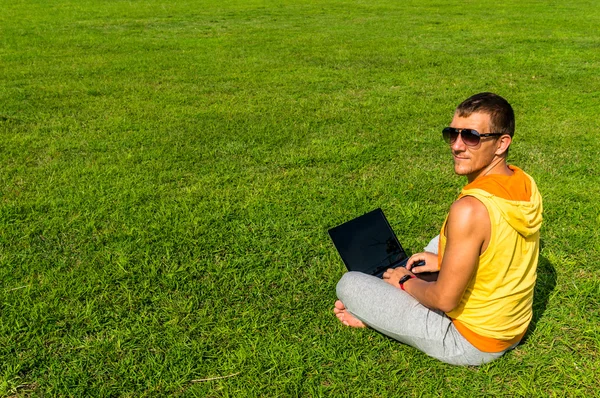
column 415, row 261
column 417, row 265
column 411, row 263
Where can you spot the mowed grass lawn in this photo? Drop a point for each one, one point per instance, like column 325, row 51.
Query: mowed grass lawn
column 169, row 170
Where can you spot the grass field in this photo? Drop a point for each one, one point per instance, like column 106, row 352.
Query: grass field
column 168, row 172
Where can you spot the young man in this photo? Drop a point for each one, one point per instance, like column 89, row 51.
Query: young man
column 478, row 304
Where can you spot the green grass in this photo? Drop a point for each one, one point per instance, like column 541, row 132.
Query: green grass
column 169, row 171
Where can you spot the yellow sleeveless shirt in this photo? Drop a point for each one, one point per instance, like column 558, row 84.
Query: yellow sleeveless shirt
column 496, row 309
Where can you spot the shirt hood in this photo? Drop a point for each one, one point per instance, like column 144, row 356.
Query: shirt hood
column 517, row 197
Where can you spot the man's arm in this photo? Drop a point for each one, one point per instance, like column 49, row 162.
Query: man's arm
column 468, row 232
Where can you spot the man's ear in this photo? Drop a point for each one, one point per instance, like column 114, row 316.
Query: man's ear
column 502, row 144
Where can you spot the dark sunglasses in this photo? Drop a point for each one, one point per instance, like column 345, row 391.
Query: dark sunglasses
column 469, row 136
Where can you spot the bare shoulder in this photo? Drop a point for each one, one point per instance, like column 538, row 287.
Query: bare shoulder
column 469, row 212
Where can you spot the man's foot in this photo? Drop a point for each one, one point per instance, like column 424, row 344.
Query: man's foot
column 345, row 317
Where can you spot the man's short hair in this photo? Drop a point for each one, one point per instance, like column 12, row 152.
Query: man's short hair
column 502, row 117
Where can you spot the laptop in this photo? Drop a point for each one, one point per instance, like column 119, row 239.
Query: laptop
column 368, row 244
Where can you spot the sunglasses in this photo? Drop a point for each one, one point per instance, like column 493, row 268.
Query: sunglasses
column 469, row 136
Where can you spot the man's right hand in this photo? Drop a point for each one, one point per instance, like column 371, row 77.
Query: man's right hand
column 431, row 263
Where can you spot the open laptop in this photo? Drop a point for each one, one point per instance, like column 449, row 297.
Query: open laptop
column 368, row 244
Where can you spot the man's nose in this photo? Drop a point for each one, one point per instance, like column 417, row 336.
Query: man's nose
column 458, row 145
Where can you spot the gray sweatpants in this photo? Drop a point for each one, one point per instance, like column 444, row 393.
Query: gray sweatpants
column 395, row 313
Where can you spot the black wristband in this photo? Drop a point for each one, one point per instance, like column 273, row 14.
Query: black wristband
column 404, row 279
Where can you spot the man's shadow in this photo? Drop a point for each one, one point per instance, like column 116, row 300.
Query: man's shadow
column 545, row 284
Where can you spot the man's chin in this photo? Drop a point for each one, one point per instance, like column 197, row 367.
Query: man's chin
column 461, row 171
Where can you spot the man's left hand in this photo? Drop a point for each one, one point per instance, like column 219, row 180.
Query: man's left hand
column 393, row 275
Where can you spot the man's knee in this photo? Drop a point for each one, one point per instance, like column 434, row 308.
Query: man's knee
column 349, row 285
column 432, row 246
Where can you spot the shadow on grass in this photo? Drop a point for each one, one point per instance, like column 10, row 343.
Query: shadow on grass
column 545, row 284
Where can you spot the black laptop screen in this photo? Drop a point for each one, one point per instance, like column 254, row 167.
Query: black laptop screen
column 367, row 243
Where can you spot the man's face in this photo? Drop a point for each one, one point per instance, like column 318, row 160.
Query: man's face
column 471, row 161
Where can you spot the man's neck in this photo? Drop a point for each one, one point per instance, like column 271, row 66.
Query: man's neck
column 497, row 166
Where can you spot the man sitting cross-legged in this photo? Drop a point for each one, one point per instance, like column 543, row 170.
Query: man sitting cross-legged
column 478, row 304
